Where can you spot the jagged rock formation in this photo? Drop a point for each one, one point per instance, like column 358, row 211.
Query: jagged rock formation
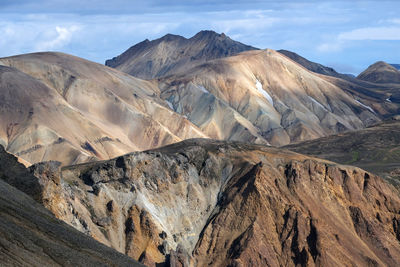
column 264, row 93
column 60, row 107
column 173, row 53
column 232, row 204
column 380, row 72
column 375, row 149
column 31, row 236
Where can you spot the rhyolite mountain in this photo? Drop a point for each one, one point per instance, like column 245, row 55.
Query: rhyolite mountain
column 174, row 53
column 264, row 93
column 60, row 107
column 30, row 235
column 202, row 202
column 280, row 99
column 380, row 72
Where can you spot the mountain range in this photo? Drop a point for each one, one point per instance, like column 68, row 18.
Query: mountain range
column 185, row 152
column 73, row 110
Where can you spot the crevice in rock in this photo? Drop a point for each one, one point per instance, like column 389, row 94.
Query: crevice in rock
column 312, row 241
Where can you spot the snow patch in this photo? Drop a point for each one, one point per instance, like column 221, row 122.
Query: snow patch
column 365, row 106
column 316, row 102
column 204, row 90
column 260, row 89
column 170, row 105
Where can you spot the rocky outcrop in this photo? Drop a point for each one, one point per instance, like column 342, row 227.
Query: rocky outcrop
column 204, row 202
column 31, row 236
column 173, row 53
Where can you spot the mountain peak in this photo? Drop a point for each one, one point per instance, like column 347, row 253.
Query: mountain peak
column 207, row 34
column 171, row 37
column 173, row 53
column 380, row 72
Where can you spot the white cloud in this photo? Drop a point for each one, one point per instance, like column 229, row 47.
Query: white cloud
column 334, row 46
column 372, row 33
column 61, row 36
column 340, row 41
column 395, row 21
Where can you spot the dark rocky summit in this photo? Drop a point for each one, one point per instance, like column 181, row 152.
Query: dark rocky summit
column 173, row 53
column 380, row 72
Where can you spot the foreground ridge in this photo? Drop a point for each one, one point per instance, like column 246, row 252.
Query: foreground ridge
column 209, row 202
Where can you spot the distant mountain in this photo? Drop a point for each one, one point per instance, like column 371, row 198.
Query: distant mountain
column 31, row 236
column 380, row 72
column 397, row 66
column 59, row 107
column 173, row 53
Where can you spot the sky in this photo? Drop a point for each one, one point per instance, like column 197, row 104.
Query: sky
column 346, row 35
